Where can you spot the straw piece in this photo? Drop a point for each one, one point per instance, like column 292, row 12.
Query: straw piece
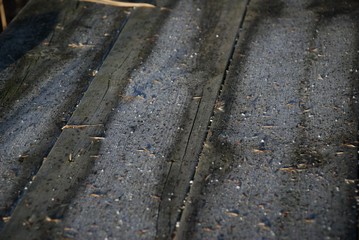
column 121, row 4
column 2, row 15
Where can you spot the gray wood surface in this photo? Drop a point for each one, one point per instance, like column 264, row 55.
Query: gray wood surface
column 47, row 59
column 192, row 120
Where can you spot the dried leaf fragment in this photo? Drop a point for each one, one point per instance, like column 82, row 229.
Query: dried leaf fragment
column 349, row 181
column 81, row 126
column 313, row 50
column 157, row 198
column 288, row 169
column 260, row 151
column 268, row 126
column 302, row 166
column 95, row 195
column 219, row 106
column 348, row 145
column 339, row 153
column 142, row 232
column 70, row 159
column 67, row 229
column 79, row 45
column 6, row 219
column 309, row 220
column 232, row 213
column 97, row 138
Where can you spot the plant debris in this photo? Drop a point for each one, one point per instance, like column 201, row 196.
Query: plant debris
column 121, row 4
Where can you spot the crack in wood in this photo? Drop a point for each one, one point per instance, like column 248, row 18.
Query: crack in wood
column 177, row 185
column 183, row 226
column 165, row 190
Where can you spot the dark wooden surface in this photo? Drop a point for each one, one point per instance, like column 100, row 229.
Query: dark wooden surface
column 48, row 56
column 192, row 120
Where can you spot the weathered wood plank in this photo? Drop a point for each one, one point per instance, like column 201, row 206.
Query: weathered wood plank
column 220, row 22
column 72, row 156
column 281, row 159
column 156, row 132
column 47, row 57
column 138, row 132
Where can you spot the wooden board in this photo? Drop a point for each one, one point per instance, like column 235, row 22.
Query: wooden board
column 199, row 125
